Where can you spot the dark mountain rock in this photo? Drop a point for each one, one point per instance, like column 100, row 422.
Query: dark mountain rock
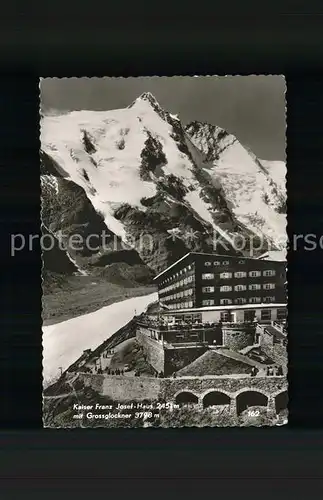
column 54, row 257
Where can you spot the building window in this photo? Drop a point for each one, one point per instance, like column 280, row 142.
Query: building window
column 240, row 274
column 225, row 316
column 225, row 275
column 254, row 274
column 255, row 286
column 240, row 288
column 190, row 304
column 208, row 289
column 208, row 302
column 189, row 267
column 240, row 300
column 225, row 302
column 207, row 276
column 254, row 300
column 225, row 288
column 217, row 263
column 181, row 283
column 269, row 272
column 266, row 314
column 225, row 263
column 269, row 299
column 190, row 279
column 268, row 286
column 281, row 314
column 208, row 264
column 242, row 261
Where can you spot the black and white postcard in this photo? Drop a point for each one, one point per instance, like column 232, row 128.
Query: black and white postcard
column 164, row 251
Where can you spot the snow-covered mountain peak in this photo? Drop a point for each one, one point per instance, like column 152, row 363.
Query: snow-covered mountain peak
column 146, row 103
column 147, row 96
column 141, row 168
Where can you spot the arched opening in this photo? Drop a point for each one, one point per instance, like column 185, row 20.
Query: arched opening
column 186, row 398
column 250, row 399
column 215, row 398
column 281, row 402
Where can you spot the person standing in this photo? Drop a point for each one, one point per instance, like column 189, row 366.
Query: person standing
column 279, row 371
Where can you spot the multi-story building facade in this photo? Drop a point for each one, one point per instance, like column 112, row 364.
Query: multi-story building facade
column 200, row 280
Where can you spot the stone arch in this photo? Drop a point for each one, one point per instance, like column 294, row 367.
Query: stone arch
column 216, row 398
column 281, row 401
column 249, row 398
column 252, row 389
column 216, row 389
column 186, row 397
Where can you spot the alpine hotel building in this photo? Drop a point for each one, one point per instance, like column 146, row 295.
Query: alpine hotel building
column 200, row 282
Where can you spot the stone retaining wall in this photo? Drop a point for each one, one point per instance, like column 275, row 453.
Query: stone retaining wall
column 153, row 350
column 123, row 388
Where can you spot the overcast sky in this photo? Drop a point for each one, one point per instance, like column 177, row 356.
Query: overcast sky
column 250, row 107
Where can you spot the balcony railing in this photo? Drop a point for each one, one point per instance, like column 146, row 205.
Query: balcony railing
column 280, row 326
column 193, row 326
column 241, row 324
column 180, row 328
column 193, row 343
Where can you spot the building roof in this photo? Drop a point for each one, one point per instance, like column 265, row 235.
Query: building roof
column 213, row 362
column 274, row 255
column 219, row 255
column 172, row 265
